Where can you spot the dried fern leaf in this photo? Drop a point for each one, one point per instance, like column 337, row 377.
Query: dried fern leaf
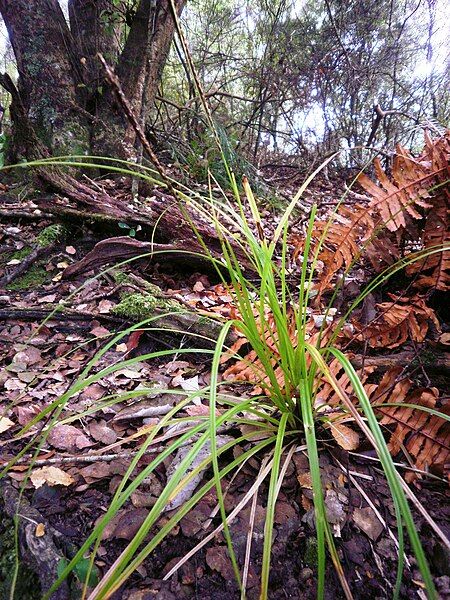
column 425, row 436
column 434, row 271
column 398, row 321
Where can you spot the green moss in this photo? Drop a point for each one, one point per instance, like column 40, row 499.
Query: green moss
column 202, row 320
column 310, row 556
column 27, row 587
column 50, row 235
column 20, row 254
column 120, row 277
column 138, row 307
column 34, row 277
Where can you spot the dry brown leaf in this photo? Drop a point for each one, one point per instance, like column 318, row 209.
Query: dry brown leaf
column 5, row 424
column 407, row 189
column 51, row 476
column 305, row 480
column 400, row 200
column 434, row 271
column 68, row 437
column 326, row 396
column 343, row 241
column 100, row 431
column 347, row 438
column 40, row 530
column 367, row 521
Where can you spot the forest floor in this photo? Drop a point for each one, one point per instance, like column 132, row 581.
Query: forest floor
column 42, row 353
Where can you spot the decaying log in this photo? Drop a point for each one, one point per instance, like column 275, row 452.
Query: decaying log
column 118, row 249
column 41, row 554
column 440, row 362
column 174, row 230
column 202, row 331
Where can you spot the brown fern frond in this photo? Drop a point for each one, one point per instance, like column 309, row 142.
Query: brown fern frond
column 378, row 231
column 409, row 185
column 434, row 271
column 343, row 243
column 426, row 437
column 398, row 321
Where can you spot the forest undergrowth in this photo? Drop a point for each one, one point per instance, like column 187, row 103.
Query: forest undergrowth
column 303, row 364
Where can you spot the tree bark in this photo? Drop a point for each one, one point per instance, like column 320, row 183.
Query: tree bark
column 48, row 73
column 95, row 28
column 61, row 86
column 139, row 70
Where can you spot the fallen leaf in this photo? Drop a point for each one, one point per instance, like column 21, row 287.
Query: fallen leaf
column 30, row 355
column 5, row 424
column 125, row 524
column 47, row 299
column 95, row 471
column 217, row 558
column 188, row 385
column 186, row 492
column 133, row 339
column 147, row 408
column 26, row 376
column 51, row 476
column 68, row 437
column 305, row 480
column 40, row 530
column 105, row 306
column 346, row 438
column 198, row 410
column 27, row 412
column 335, row 508
column 176, row 365
column 99, row 331
column 367, row 521
column 198, row 287
column 100, row 431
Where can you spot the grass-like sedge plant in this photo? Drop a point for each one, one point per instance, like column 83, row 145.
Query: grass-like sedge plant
column 285, row 412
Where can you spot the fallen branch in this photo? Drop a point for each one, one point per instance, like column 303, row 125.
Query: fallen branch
column 118, row 249
column 440, row 361
column 32, row 214
column 26, row 263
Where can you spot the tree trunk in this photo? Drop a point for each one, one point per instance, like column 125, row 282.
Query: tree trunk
column 95, row 28
column 61, row 86
column 140, row 66
column 48, row 74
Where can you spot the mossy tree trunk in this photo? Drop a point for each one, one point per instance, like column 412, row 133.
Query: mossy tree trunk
column 61, row 86
column 49, row 75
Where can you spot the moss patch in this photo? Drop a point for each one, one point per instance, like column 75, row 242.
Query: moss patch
column 51, row 235
column 20, row 254
column 138, row 307
column 311, row 556
column 120, row 276
column 34, row 277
